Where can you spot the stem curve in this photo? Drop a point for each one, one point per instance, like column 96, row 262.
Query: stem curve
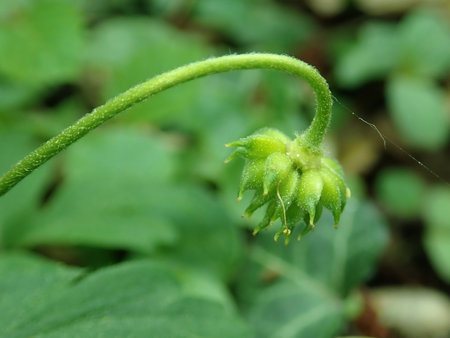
column 313, row 135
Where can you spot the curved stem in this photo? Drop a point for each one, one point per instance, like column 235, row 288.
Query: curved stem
column 314, row 134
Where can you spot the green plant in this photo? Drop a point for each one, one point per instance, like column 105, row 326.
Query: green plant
column 134, row 230
column 142, row 212
column 292, row 176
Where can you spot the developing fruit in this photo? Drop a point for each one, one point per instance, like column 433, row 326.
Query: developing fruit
column 292, row 178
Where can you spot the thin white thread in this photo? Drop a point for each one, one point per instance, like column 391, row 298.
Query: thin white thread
column 385, row 138
column 361, row 119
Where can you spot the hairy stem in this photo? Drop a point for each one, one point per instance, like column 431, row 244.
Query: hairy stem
column 314, row 134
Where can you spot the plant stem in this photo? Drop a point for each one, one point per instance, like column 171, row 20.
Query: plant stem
column 314, row 134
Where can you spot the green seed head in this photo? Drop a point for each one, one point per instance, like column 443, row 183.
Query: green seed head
column 291, row 177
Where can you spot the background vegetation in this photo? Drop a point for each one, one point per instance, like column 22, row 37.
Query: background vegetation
column 134, row 230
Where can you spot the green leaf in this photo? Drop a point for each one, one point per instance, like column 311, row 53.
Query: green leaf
column 425, row 44
column 299, row 290
column 400, row 190
column 121, row 153
column 267, row 26
column 20, row 204
column 437, row 235
column 27, row 275
column 100, row 10
column 166, row 8
column 138, row 299
column 40, row 41
column 103, row 200
column 207, row 239
column 289, row 310
column 418, row 110
column 147, row 48
column 373, row 56
column 118, row 191
column 13, row 96
column 48, row 122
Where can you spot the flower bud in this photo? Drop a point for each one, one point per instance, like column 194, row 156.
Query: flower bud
column 292, row 178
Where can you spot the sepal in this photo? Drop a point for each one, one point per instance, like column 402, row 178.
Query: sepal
column 309, row 193
column 258, row 146
column 276, row 169
column 252, row 176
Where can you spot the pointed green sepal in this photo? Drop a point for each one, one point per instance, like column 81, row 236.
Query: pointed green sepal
column 276, row 168
column 267, row 220
column 294, row 214
column 317, row 214
column 259, row 146
column 240, row 152
column 287, row 191
column 275, row 133
column 306, row 229
column 331, row 195
column 258, row 200
column 252, row 176
column 344, row 192
column 333, row 166
column 309, row 192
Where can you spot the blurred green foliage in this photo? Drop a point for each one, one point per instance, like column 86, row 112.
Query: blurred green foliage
column 412, row 55
column 437, row 236
column 147, row 201
column 400, row 190
column 141, row 297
